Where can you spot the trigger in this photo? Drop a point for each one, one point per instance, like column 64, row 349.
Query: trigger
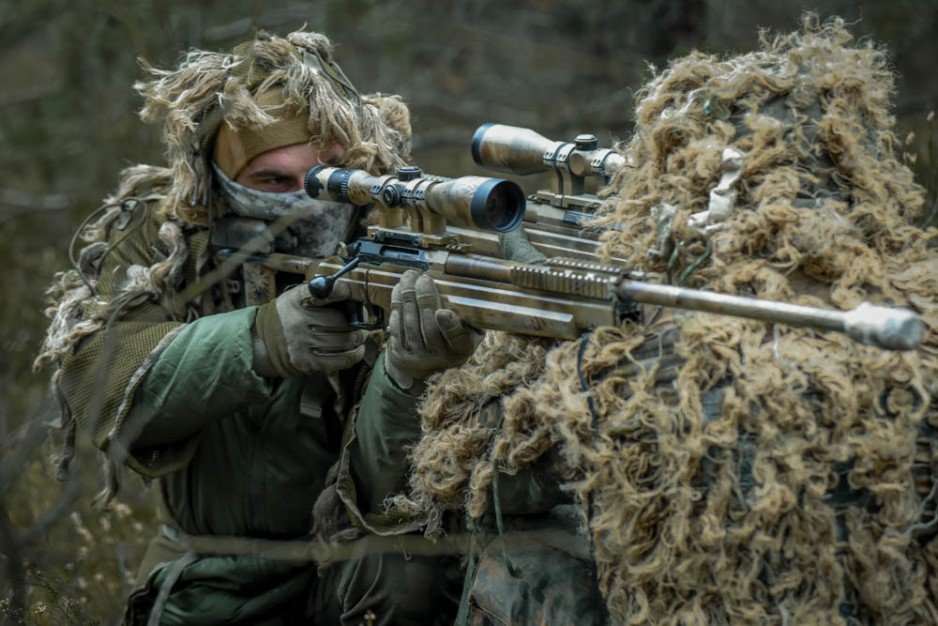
column 365, row 318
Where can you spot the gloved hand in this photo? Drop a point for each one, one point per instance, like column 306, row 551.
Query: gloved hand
column 425, row 337
column 297, row 334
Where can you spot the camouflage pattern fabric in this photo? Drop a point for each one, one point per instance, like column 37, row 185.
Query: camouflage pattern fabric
column 545, row 584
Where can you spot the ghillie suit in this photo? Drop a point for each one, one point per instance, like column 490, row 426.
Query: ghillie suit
column 729, row 470
column 168, row 207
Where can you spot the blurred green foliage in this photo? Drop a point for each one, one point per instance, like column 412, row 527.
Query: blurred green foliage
column 68, row 125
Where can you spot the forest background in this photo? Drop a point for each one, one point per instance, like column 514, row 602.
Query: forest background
column 68, row 124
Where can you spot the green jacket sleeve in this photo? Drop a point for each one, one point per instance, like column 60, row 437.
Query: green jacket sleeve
column 148, row 389
column 373, row 461
column 133, row 352
column 386, row 424
column 204, row 374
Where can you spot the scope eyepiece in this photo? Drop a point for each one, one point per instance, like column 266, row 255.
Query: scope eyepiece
column 336, row 185
column 311, row 183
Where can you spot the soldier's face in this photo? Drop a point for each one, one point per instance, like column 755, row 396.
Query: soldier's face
column 282, row 170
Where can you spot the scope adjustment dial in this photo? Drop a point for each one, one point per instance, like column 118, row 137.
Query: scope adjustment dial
column 586, row 141
column 391, row 195
column 408, row 173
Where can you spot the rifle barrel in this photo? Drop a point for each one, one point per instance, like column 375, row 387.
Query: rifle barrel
column 886, row 327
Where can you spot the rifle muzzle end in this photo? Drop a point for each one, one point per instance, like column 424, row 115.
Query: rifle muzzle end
column 886, row 327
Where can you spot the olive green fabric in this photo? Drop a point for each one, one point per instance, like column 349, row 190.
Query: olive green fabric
column 550, row 580
column 256, row 473
column 515, row 245
column 373, row 463
column 547, row 586
column 236, row 454
column 228, row 590
column 396, row 589
column 216, row 352
column 393, row 588
column 264, row 447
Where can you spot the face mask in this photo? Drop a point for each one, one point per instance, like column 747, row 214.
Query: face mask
column 316, row 225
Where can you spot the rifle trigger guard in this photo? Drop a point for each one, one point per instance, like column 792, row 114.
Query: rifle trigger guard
column 356, row 316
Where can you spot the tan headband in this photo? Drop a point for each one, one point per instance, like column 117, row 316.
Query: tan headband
column 235, row 148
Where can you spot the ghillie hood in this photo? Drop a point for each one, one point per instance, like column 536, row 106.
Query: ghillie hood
column 211, row 88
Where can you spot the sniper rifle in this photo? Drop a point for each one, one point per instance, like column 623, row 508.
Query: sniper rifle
column 560, row 298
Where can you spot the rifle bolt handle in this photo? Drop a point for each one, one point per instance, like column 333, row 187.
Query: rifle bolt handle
column 321, row 287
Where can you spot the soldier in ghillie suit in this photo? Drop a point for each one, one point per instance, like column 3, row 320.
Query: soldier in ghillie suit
column 725, row 471
column 242, row 411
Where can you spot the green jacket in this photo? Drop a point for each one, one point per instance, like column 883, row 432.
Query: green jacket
column 235, row 454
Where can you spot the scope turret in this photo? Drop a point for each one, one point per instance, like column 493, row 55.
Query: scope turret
column 469, row 201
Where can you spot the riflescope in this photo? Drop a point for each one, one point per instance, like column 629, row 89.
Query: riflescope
column 522, row 151
column 469, row 201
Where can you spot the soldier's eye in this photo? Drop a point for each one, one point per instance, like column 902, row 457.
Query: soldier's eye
column 278, row 183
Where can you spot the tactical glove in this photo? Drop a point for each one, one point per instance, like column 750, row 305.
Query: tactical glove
column 297, row 334
column 425, row 337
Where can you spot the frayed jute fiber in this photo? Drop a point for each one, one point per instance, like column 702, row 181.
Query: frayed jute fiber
column 734, row 471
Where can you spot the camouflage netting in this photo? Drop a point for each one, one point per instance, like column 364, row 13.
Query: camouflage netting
column 738, row 471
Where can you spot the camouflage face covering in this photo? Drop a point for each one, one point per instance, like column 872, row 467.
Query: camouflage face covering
column 323, row 223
